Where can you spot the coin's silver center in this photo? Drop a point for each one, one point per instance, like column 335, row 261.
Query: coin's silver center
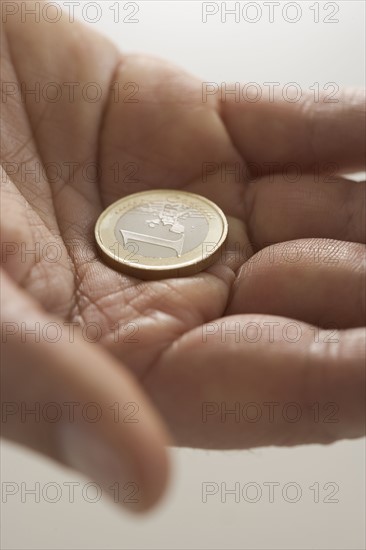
column 162, row 229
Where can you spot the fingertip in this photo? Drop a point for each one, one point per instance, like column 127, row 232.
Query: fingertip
column 130, row 469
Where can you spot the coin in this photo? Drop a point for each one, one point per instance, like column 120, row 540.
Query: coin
column 161, row 233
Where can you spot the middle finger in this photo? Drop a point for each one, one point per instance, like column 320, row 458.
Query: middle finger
column 318, row 281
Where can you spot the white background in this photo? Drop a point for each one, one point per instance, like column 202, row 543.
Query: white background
column 304, row 52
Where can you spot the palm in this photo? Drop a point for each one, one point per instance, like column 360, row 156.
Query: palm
column 159, row 329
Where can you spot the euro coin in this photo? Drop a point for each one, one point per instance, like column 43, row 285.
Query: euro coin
column 161, row 233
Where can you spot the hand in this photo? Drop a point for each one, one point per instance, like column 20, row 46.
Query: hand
column 292, row 269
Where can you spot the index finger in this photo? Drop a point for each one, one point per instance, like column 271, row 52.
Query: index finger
column 270, row 134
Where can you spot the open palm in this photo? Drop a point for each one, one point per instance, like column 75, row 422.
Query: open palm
column 241, row 336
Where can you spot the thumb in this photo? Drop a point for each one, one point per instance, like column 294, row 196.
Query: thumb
column 73, row 402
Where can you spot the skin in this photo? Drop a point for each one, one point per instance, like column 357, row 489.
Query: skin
column 301, row 260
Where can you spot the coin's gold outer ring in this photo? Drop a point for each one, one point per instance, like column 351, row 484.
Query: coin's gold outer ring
column 190, row 263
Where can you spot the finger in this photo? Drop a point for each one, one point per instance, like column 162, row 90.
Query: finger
column 321, row 282
column 88, row 413
column 283, row 207
column 67, row 90
column 18, row 152
column 167, row 137
column 253, row 380
column 32, row 255
column 307, row 132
